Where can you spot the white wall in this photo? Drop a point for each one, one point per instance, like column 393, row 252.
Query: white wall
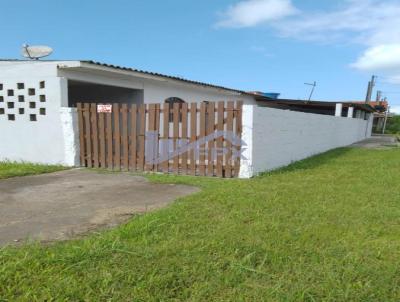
column 158, row 92
column 43, row 140
column 69, row 123
column 29, row 69
column 276, row 138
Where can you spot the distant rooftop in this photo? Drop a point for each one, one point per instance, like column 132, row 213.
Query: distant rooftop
column 378, row 105
column 292, row 103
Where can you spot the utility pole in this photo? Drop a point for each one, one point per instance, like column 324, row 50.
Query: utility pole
column 312, row 90
column 386, row 119
column 378, row 96
column 371, row 85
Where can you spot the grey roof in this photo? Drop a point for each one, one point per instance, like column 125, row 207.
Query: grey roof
column 316, row 104
column 165, row 76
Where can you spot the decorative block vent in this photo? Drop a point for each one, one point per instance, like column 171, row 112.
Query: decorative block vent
column 23, row 101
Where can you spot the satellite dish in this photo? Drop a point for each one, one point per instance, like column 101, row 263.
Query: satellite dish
column 36, row 52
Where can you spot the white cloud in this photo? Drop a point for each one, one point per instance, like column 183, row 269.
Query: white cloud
column 382, row 58
column 369, row 22
column 372, row 23
column 249, row 13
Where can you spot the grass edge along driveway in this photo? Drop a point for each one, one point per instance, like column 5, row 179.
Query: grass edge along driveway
column 326, row 228
column 13, row 169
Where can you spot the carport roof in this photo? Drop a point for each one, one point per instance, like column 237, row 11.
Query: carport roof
column 175, row 78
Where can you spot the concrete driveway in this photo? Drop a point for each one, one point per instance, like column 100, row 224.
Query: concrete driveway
column 378, row 142
column 61, row 205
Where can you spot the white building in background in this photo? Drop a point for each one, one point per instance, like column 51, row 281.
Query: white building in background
column 38, row 120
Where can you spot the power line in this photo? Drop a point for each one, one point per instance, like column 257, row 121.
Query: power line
column 378, row 96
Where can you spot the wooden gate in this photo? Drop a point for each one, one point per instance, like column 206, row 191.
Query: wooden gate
column 189, row 139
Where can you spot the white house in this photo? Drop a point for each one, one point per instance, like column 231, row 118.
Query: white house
column 38, row 100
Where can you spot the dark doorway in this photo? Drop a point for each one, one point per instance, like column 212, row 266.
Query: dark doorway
column 96, row 93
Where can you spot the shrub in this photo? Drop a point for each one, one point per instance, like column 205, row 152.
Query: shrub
column 393, row 125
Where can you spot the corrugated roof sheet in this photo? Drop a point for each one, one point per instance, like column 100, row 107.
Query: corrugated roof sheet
column 165, row 76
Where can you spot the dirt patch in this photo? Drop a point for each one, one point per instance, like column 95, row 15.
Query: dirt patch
column 61, row 205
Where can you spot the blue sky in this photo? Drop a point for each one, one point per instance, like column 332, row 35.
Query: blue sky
column 266, row 45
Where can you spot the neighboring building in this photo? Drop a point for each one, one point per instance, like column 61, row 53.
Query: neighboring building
column 38, row 98
column 268, row 95
column 381, row 114
column 355, row 110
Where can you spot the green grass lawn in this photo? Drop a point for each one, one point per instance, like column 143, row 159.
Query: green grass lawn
column 325, row 229
column 12, row 169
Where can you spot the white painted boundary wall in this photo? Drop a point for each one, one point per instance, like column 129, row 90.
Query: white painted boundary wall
column 53, row 137
column 276, row 138
column 53, row 142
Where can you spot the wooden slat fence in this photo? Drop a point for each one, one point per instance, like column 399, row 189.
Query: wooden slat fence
column 155, row 138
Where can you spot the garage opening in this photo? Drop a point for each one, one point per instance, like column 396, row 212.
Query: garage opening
column 97, row 93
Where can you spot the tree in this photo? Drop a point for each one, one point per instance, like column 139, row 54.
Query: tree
column 393, row 125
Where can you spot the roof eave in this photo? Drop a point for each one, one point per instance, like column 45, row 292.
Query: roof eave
column 91, row 65
column 365, row 107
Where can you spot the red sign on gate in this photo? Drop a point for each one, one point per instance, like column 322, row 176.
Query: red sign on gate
column 104, row 108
